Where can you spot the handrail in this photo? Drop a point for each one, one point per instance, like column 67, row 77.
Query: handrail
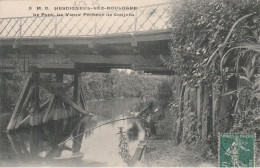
column 139, row 7
column 165, row 3
column 146, row 18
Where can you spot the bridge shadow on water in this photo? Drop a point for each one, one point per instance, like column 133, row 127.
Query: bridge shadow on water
column 39, row 145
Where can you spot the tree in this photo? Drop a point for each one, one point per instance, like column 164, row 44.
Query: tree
column 199, row 36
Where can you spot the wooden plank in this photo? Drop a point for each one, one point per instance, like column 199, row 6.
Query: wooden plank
column 82, row 101
column 36, row 97
column 58, row 111
column 199, row 107
column 19, row 103
column 214, row 109
column 31, row 117
column 68, row 109
column 118, row 39
column 25, row 120
column 83, row 97
column 55, row 110
column 66, row 113
column 63, row 97
column 76, row 90
column 48, row 111
column 180, row 119
column 61, row 112
column 21, row 114
column 205, row 113
column 77, row 142
column 44, row 105
column 186, row 110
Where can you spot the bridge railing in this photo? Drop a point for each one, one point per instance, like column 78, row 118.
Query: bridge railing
column 146, row 18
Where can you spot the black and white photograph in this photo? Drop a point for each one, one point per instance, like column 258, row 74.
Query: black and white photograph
column 129, row 83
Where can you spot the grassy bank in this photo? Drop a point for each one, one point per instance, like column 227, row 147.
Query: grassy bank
column 162, row 153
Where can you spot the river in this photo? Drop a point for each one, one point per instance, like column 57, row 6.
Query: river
column 50, row 144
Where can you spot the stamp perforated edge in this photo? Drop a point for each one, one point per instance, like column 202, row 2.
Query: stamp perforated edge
column 255, row 142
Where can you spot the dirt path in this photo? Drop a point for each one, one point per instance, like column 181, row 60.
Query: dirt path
column 161, row 153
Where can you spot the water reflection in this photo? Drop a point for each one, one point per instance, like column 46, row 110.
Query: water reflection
column 123, row 147
column 40, row 145
column 133, row 132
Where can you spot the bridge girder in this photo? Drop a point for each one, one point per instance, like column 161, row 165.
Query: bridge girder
column 69, row 56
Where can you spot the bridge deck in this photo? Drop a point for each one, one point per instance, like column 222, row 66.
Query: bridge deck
column 77, row 40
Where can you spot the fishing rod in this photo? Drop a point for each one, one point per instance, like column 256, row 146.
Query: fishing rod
column 96, row 128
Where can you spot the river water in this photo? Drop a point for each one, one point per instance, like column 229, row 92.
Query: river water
column 50, row 144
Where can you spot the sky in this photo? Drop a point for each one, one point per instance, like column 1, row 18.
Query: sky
column 20, row 8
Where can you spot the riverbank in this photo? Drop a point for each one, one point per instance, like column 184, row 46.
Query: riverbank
column 161, row 153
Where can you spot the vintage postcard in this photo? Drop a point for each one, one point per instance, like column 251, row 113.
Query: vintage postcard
column 129, row 83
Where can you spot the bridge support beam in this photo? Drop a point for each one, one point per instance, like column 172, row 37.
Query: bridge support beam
column 28, row 108
column 76, row 90
column 34, row 113
column 19, row 107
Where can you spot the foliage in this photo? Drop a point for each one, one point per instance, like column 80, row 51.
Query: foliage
column 119, row 84
column 164, row 92
column 165, row 127
column 246, row 111
column 199, row 36
column 218, row 42
column 96, row 85
column 165, row 95
column 13, row 83
column 123, row 147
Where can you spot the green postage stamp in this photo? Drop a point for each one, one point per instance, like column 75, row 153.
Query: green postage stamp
column 236, row 150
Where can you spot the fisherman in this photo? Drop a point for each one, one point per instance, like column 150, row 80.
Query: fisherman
column 148, row 113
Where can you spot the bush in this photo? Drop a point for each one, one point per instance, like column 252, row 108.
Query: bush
column 164, row 93
column 118, row 84
column 165, row 128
